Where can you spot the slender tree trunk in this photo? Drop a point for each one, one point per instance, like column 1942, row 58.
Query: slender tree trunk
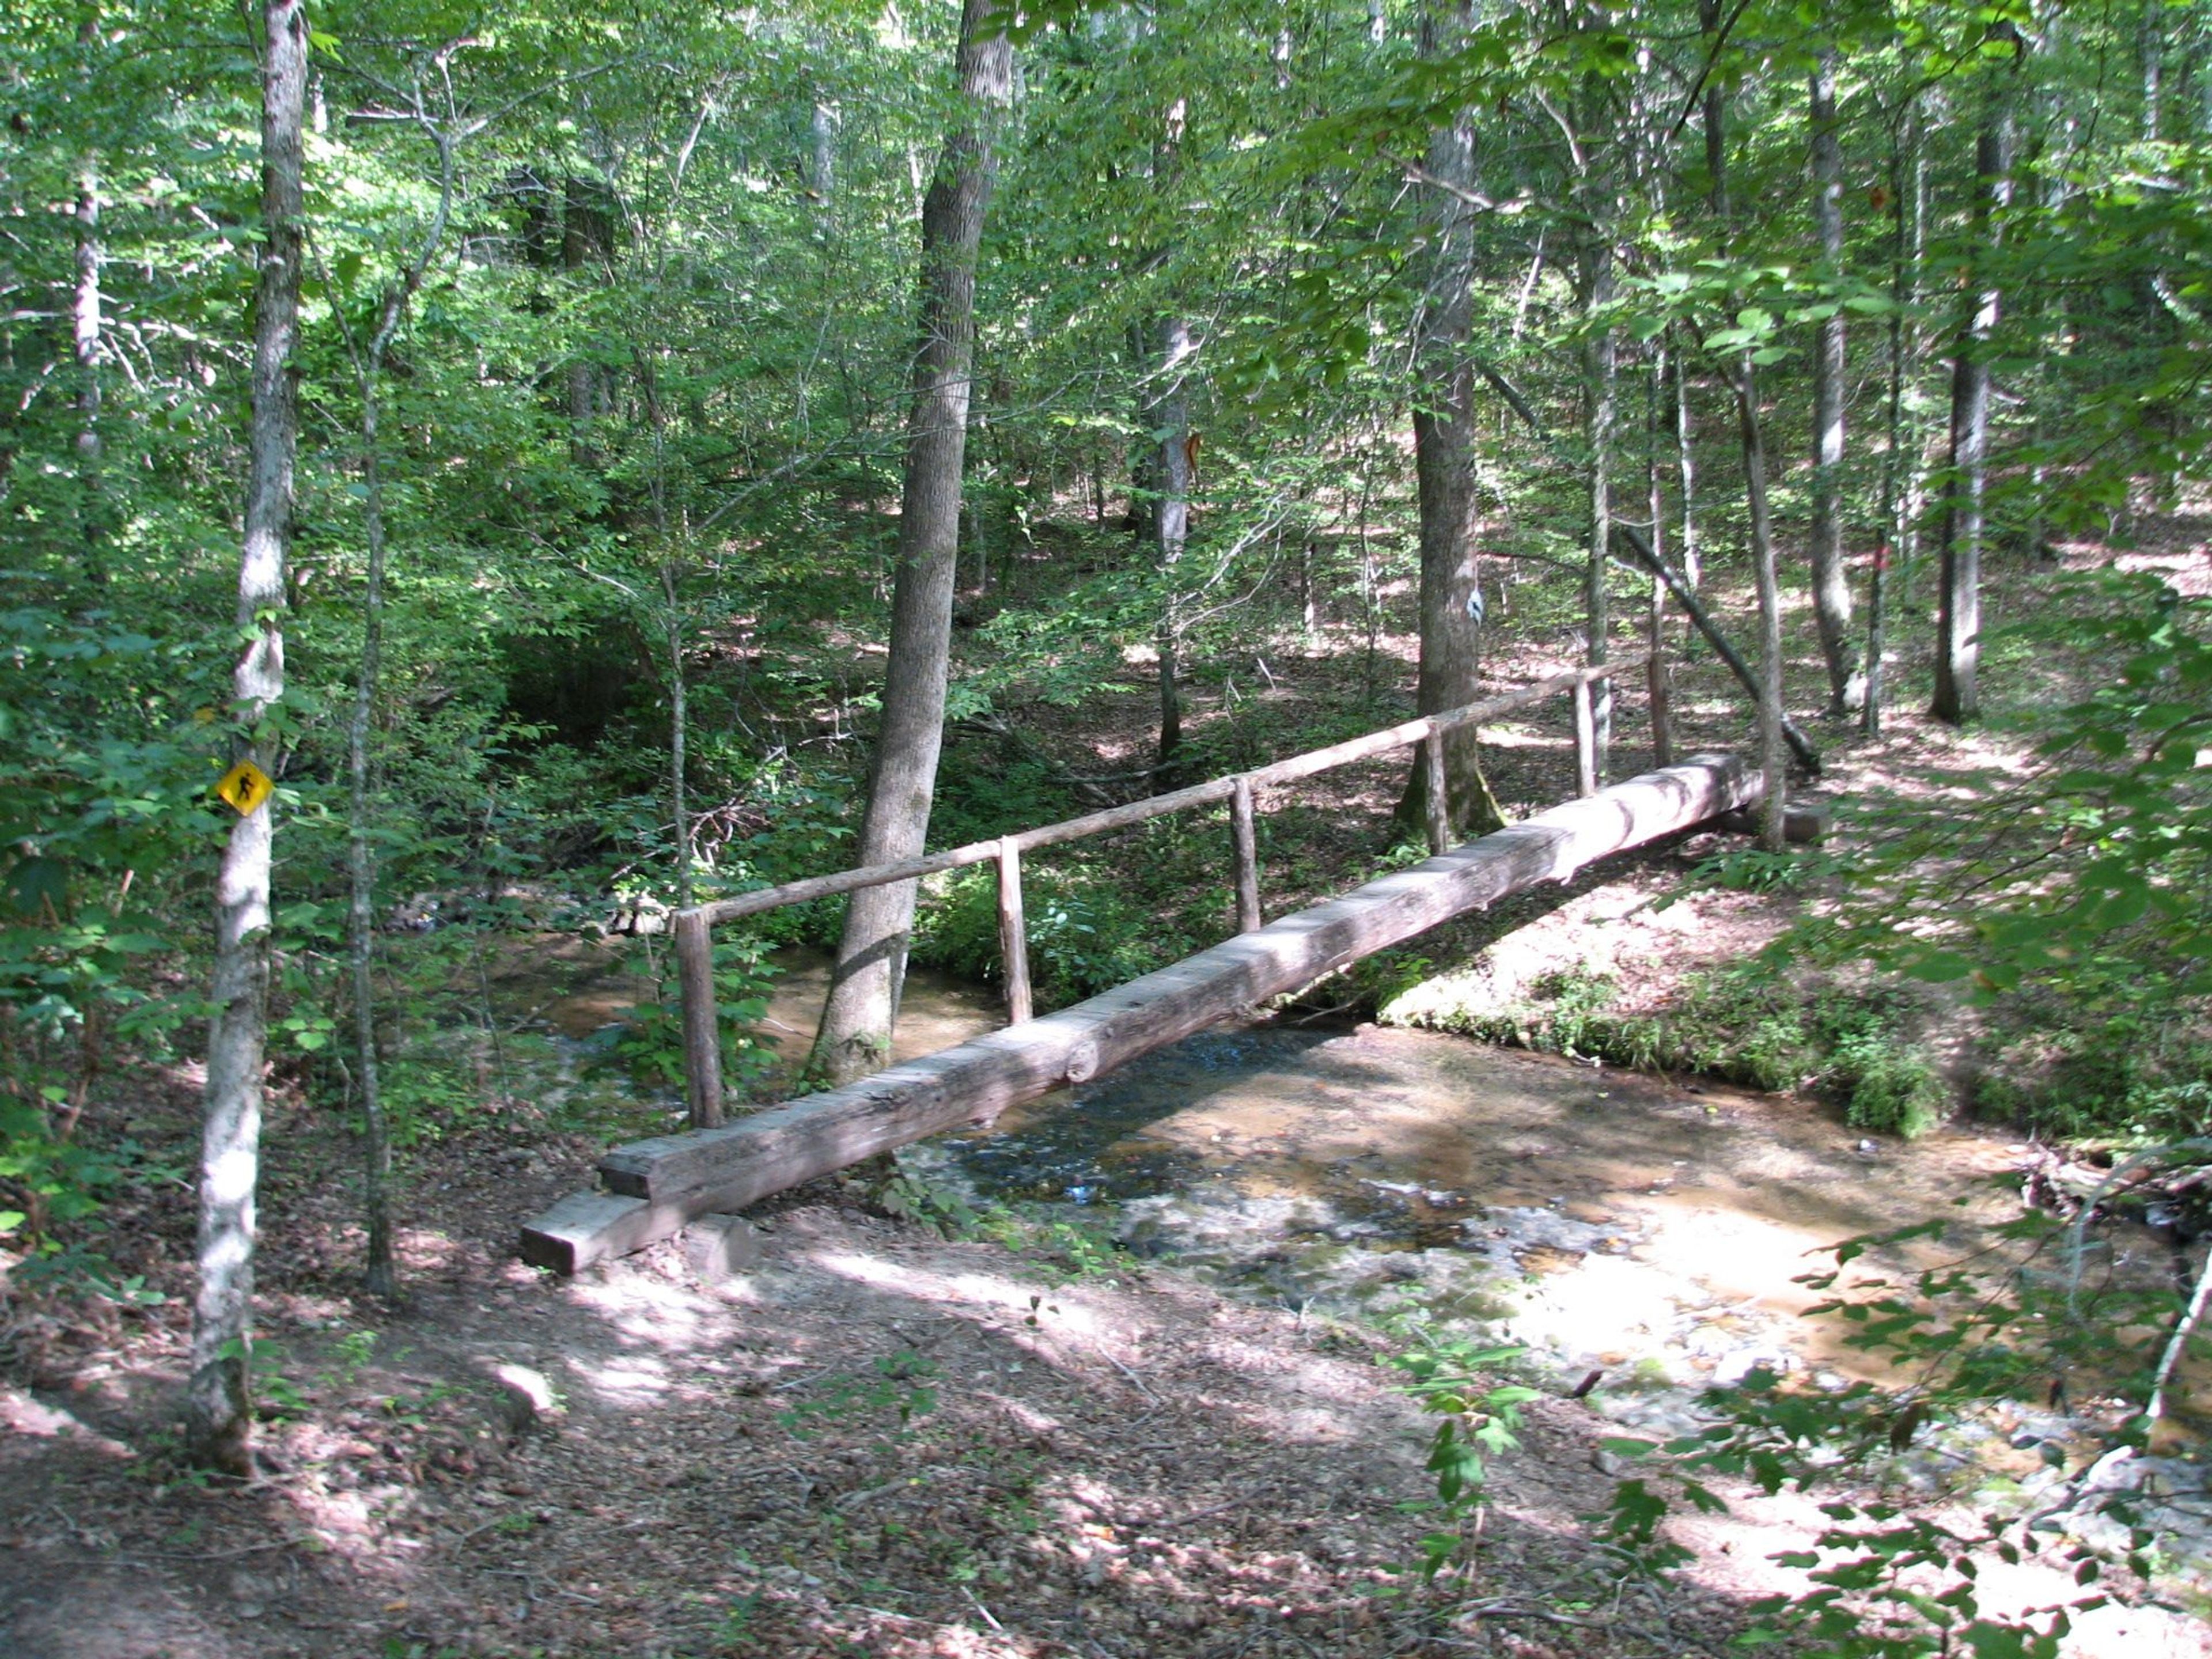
column 855, row 1035
column 218, row 1407
column 1686, row 465
column 87, row 325
column 1896, row 464
column 1832, row 592
column 380, row 1274
column 1172, row 470
column 1658, row 680
column 1773, row 750
column 1959, row 617
column 1600, row 414
column 379, row 1270
column 1450, row 599
column 1913, row 508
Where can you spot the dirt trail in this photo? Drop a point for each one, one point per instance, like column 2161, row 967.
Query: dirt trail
column 1121, row 1465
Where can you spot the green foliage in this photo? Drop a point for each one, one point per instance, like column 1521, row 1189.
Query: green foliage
column 1893, row 1579
column 649, row 1049
column 1086, row 934
column 1480, row 1420
column 902, row 1383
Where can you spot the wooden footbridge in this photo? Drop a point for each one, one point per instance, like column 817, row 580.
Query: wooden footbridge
column 653, row 1189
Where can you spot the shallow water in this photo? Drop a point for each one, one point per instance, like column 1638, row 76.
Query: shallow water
column 1601, row 1216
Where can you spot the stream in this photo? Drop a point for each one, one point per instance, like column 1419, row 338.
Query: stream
column 1653, row 1230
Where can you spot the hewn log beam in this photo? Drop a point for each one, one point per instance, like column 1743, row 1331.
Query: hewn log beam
column 655, row 1185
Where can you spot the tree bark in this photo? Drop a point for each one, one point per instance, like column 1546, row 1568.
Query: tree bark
column 86, row 325
column 1601, row 412
column 218, row 1407
column 1773, row 752
column 1897, row 469
column 855, row 1035
column 1450, row 600
column 1172, row 470
column 1832, row 593
column 1686, row 464
column 1958, row 616
column 379, row 1272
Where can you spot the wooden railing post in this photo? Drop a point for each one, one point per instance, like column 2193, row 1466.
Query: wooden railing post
column 1439, row 791
column 1659, row 682
column 1585, row 741
column 1013, row 932
column 1246, row 836
column 703, row 1040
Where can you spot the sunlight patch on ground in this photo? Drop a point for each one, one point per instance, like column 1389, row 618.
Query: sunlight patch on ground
column 645, row 1309
column 969, row 1290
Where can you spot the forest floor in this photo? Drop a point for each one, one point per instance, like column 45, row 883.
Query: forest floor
column 876, row 1440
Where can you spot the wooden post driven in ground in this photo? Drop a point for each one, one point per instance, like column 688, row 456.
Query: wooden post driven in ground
column 1586, row 778
column 655, row 1187
column 1244, row 833
column 702, row 1040
column 1439, row 803
column 1013, row 930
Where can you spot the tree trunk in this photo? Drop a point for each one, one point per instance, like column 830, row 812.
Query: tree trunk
column 1958, row 616
column 855, row 1035
column 361, row 858
column 1170, row 417
column 86, row 326
column 1832, row 593
column 380, row 1271
column 1686, row 465
column 1450, row 599
column 1658, row 683
column 1895, row 477
column 1773, row 752
column 1600, row 401
column 218, row 1408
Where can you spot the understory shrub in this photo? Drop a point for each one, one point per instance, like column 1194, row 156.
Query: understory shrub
column 1085, row 935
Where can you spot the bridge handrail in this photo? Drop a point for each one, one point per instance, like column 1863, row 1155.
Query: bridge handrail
column 1306, row 765
column 695, row 953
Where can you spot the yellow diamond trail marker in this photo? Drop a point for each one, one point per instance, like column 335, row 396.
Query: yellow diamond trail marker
column 245, row 786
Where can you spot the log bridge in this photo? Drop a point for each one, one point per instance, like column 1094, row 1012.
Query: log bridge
column 653, row 1189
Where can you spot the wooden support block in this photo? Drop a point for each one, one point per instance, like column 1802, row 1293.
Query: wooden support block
column 1244, row 833
column 588, row 1227
column 1804, row 823
column 702, row 1036
column 1013, row 932
column 721, row 1247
